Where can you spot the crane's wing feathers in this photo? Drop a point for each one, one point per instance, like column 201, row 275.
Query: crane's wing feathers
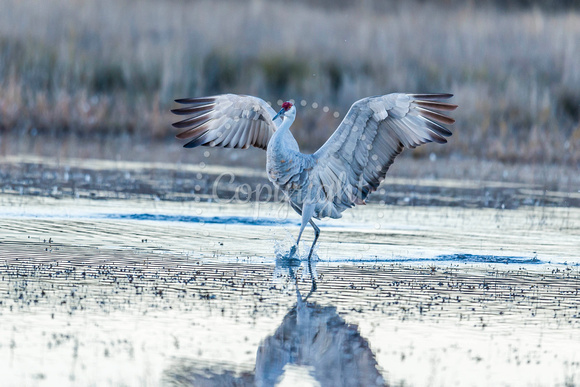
column 355, row 159
column 228, row 120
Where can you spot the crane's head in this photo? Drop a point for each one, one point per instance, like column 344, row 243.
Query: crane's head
column 288, row 110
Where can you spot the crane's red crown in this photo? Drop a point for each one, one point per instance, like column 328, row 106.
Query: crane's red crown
column 286, row 106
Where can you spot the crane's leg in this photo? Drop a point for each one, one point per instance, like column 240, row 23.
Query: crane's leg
column 307, row 211
column 316, row 234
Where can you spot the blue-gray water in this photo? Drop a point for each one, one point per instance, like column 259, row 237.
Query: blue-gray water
column 146, row 292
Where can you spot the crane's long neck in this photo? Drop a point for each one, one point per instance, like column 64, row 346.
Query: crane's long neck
column 284, row 159
column 282, row 138
column 285, row 125
column 281, row 149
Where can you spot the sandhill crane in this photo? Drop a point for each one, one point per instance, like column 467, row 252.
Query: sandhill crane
column 345, row 170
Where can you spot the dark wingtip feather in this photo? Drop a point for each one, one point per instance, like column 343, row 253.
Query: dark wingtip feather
column 184, row 135
column 192, row 144
column 182, row 101
column 191, row 110
column 194, row 121
column 438, row 139
column 435, row 127
column 179, row 112
column 436, row 116
column 436, row 105
column 181, row 124
column 201, row 100
column 432, row 96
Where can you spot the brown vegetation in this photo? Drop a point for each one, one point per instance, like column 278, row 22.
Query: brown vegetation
column 102, row 68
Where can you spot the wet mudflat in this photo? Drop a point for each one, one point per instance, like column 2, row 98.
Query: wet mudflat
column 136, row 290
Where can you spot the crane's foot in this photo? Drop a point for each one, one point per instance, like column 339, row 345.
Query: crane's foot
column 292, row 252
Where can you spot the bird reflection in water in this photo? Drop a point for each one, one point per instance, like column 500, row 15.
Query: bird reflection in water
column 313, row 343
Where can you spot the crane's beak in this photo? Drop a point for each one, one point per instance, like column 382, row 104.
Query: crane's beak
column 280, row 113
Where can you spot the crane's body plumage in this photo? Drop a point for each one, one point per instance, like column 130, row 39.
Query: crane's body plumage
column 345, row 170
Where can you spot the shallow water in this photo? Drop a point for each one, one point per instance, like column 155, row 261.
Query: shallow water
column 147, row 292
column 112, row 275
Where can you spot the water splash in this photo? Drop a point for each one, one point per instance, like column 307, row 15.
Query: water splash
column 288, row 265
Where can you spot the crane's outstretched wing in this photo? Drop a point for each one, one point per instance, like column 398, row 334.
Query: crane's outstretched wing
column 227, row 120
column 355, row 159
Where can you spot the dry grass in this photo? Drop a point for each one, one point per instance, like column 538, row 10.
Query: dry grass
column 109, row 67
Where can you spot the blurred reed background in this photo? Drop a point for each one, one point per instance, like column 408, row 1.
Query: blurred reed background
column 79, row 73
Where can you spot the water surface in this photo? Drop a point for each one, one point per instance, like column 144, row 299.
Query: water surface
column 140, row 291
